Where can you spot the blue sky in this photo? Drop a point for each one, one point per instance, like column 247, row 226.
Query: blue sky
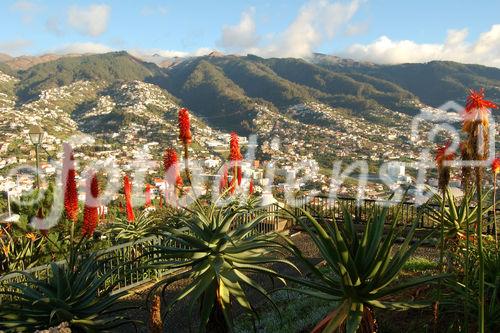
column 387, row 31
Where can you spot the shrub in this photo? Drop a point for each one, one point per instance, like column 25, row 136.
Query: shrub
column 75, row 292
column 218, row 254
column 363, row 269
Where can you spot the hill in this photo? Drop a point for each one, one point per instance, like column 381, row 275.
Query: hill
column 434, row 83
column 108, row 67
column 323, row 108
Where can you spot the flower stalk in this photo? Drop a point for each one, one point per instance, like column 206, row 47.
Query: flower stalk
column 90, row 212
column 476, row 120
column 186, row 138
column 127, row 189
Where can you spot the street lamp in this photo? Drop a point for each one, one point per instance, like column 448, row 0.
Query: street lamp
column 36, row 136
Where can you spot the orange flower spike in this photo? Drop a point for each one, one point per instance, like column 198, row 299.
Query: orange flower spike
column 477, row 109
column 495, row 165
column 31, row 236
column 127, row 189
column 90, row 210
column 171, row 166
column 443, row 154
column 184, row 126
column 234, row 146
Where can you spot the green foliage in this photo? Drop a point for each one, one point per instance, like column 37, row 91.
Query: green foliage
column 419, row 264
column 458, row 214
column 75, row 292
column 204, row 88
column 122, row 231
column 434, row 82
column 225, row 89
column 29, row 203
column 219, row 255
column 108, row 67
column 7, row 69
column 363, row 268
column 460, row 296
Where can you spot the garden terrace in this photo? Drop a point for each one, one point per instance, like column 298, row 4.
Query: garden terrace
column 133, row 274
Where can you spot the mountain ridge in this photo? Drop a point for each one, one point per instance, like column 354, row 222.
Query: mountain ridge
column 226, row 90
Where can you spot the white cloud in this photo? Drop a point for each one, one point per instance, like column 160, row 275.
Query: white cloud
column 84, row 47
column 484, row 50
column 148, row 53
column 316, row 22
column 240, row 36
column 91, row 20
column 15, row 47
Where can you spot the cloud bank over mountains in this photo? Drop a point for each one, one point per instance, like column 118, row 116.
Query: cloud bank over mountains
column 485, row 50
column 316, row 23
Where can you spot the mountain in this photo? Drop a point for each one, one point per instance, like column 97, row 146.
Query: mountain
column 324, row 107
column 4, row 68
column 4, row 57
column 108, row 67
column 226, row 89
column 25, row 62
column 434, row 83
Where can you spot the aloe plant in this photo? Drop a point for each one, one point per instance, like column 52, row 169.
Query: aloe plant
column 361, row 269
column 218, row 255
column 458, row 214
column 461, row 298
column 75, row 292
column 125, row 231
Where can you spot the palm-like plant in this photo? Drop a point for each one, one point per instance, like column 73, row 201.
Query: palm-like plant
column 458, row 214
column 124, row 231
column 75, row 292
column 362, row 269
column 218, row 257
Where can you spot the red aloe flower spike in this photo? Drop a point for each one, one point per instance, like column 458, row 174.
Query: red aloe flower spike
column 184, row 126
column 235, row 156
column 148, row 195
column 495, row 165
column 70, row 189
column 239, row 176
column 476, row 100
column 477, row 109
column 251, row 189
column 443, row 154
column 90, row 212
column 178, row 181
column 234, row 146
column 224, row 179
column 171, row 167
column 127, row 189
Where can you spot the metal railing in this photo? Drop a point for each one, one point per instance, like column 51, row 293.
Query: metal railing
column 128, row 261
column 333, row 209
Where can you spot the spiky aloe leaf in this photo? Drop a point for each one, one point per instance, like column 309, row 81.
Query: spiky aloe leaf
column 366, row 265
column 220, row 254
